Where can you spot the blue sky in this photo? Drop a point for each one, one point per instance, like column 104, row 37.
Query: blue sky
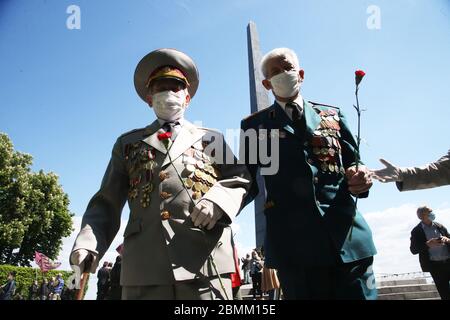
column 67, row 94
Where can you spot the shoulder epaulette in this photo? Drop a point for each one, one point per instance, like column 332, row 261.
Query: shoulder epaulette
column 256, row 113
column 321, row 104
column 130, row 132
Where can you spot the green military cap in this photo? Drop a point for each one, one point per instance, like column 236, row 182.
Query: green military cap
column 155, row 60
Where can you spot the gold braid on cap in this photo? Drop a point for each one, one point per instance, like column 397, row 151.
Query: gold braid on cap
column 167, row 72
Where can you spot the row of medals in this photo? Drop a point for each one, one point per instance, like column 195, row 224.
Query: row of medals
column 142, row 163
column 325, row 142
column 201, row 173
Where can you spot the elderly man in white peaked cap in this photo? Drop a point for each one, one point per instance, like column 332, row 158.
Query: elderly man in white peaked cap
column 177, row 243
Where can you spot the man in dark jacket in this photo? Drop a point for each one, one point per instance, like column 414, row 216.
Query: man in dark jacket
column 115, row 290
column 33, row 291
column 8, row 289
column 103, row 280
column 431, row 241
column 44, row 290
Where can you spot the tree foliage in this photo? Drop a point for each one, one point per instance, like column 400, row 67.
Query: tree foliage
column 34, row 212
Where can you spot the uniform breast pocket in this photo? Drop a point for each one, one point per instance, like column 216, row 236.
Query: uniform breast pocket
column 133, row 228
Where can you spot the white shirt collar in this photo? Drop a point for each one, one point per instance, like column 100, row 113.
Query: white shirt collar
column 298, row 100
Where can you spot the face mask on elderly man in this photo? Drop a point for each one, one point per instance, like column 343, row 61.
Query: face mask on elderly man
column 431, row 216
column 286, row 84
column 169, row 105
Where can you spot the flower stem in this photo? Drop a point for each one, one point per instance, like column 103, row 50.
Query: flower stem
column 357, row 157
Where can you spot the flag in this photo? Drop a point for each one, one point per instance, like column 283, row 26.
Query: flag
column 44, row 262
column 119, row 249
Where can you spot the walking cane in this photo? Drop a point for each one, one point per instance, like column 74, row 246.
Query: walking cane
column 84, row 278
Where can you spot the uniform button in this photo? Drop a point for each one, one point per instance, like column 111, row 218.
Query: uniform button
column 163, row 175
column 165, row 215
column 305, row 144
column 310, row 161
column 165, row 195
column 342, row 252
column 316, row 180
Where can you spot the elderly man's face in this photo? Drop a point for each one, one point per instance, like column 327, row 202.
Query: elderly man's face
column 278, row 65
column 425, row 217
column 166, row 84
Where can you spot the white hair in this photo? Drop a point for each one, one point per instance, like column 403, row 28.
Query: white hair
column 286, row 53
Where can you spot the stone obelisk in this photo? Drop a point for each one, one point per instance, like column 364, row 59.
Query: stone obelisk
column 259, row 100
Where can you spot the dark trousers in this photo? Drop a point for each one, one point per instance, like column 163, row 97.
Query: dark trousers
column 256, row 280
column 345, row 281
column 440, row 272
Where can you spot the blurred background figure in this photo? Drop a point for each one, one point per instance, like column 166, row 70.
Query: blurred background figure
column 256, row 265
column 115, row 289
column 103, row 281
column 270, row 283
column 431, row 241
column 33, row 291
column 8, row 289
column 44, row 290
column 246, row 268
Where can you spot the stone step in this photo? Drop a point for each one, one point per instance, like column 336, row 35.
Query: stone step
column 405, row 282
column 409, row 295
column 407, row 288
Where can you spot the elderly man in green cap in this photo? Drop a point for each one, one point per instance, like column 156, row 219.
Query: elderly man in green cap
column 182, row 195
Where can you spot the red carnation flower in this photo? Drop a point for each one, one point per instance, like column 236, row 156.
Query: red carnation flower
column 359, row 75
column 164, row 136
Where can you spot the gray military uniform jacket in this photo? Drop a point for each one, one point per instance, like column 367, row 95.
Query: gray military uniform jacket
column 432, row 175
column 161, row 244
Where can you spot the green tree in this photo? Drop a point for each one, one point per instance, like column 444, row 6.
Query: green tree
column 34, row 212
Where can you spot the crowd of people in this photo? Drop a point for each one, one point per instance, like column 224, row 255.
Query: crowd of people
column 47, row 289
column 264, row 280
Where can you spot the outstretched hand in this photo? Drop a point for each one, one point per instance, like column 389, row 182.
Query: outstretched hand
column 389, row 174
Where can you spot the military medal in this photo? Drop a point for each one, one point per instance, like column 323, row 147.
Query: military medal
column 190, row 168
column 196, row 195
column 189, row 183
column 199, row 164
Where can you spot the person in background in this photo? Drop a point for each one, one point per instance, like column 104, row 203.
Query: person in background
column 33, row 291
column 103, row 275
column 8, row 289
column 256, row 265
column 44, row 290
column 246, row 268
column 58, row 287
column 431, row 241
column 115, row 289
column 51, row 288
column 270, row 283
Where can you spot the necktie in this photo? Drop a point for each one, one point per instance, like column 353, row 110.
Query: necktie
column 297, row 119
column 171, row 127
column 295, row 110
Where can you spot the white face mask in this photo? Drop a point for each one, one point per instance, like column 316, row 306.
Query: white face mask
column 286, row 84
column 169, row 105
